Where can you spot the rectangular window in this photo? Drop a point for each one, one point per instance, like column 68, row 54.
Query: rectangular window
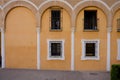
column 118, row 25
column 55, row 19
column 90, row 20
column 90, row 50
column 56, row 49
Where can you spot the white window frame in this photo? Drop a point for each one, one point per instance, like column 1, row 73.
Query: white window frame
column 96, row 57
column 118, row 49
column 49, row 57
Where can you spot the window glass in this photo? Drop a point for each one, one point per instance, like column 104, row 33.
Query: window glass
column 55, row 19
column 56, row 49
column 90, row 19
column 90, row 49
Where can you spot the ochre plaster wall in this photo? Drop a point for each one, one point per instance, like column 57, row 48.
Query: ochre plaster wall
column 20, row 39
column 91, row 65
column 114, row 36
column 46, row 34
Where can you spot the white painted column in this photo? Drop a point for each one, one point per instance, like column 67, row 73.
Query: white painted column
column 38, row 48
column 3, row 47
column 108, row 49
column 72, row 49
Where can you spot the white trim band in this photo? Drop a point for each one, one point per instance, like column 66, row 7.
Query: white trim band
column 108, row 51
column 38, row 48
column 2, row 47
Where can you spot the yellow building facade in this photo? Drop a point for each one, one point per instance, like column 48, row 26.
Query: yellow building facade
column 78, row 35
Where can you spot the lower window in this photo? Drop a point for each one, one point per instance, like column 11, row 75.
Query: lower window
column 90, row 50
column 56, row 49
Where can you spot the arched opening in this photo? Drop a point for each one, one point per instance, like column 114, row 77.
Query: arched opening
column 20, row 38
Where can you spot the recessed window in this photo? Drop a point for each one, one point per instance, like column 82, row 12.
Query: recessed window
column 118, row 25
column 56, row 49
column 90, row 49
column 90, row 20
column 55, row 19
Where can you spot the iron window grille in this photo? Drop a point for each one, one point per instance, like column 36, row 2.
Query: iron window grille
column 55, row 49
column 55, row 19
column 90, row 20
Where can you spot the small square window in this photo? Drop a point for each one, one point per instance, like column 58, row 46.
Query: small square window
column 90, row 20
column 90, row 50
column 56, row 19
column 56, row 49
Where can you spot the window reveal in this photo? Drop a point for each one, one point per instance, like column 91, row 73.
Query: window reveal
column 55, row 19
column 90, row 49
column 56, row 49
column 90, row 19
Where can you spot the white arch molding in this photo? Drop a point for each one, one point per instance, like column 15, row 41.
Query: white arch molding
column 2, row 47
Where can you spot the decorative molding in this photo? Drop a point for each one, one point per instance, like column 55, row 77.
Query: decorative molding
column 55, row 58
column 118, row 49
column 38, row 47
column 2, row 47
column 47, row 1
column 97, row 42
column 100, row 1
column 116, row 3
column 72, row 49
column 11, row 1
column 108, row 52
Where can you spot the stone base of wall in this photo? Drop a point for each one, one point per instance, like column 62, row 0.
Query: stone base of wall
column 25, row 74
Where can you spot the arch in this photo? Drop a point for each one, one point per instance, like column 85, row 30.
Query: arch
column 115, row 7
column 97, row 3
column 61, row 3
column 15, row 3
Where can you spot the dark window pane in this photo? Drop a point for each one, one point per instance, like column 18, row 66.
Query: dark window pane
column 90, row 19
column 55, row 49
column 90, row 49
column 55, row 19
column 118, row 24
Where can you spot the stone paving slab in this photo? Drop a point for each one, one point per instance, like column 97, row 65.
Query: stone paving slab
column 27, row 74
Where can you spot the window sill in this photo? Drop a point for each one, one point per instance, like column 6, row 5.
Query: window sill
column 91, row 30
column 55, row 58
column 55, row 30
column 90, row 58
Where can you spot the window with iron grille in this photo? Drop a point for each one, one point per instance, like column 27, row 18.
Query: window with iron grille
column 118, row 25
column 90, row 50
column 56, row 49
column 55, row 19
column 90, row 20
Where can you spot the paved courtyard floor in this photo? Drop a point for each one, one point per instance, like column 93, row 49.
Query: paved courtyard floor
column 27, row 74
